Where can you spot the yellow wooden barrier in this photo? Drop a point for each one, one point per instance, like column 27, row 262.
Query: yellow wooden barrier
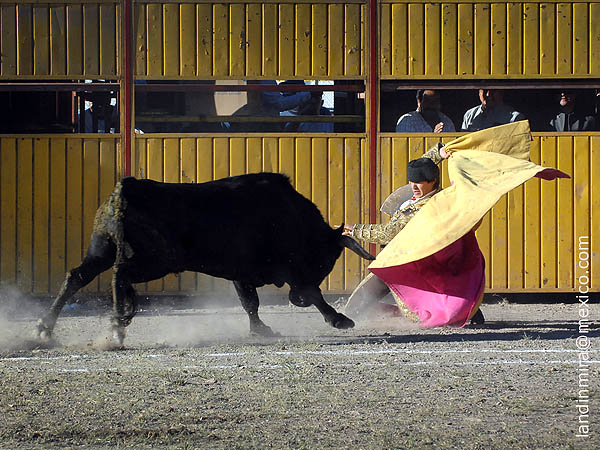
column 479, row 39
column 51, row 187
column 301, row 39
column 530, row 238
column 59, row 40
column 250, row 40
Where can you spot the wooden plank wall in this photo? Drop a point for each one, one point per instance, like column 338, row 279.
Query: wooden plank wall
column 301, row 39
column 493, row 39
column 59, row 40
column 52, row 185
column 51, row 188
column 245, row 40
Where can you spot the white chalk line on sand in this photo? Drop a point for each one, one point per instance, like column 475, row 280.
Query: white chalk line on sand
column 521, row 362
column 345, row 352
column 401, row 351
column 402, row 363
column 315, row 352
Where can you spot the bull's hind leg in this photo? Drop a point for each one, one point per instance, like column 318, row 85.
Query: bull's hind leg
column 99, row 257
column 124, row 303
column 313, row 296
column 249, row 298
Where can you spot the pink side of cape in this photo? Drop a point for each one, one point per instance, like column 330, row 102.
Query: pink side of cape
column 444, row 288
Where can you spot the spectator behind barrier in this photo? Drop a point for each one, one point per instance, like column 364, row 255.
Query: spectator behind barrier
column 427, row 118
column 570, row 118
column 267, row 103
column 314, row 107
column 492, row 112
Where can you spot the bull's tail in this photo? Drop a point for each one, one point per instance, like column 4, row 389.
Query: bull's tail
column 109, row 222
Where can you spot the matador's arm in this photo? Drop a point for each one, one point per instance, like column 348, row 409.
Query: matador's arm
column 434, row 153
column 384, row 233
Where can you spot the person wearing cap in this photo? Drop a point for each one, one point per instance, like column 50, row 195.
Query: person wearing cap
column 424, row 177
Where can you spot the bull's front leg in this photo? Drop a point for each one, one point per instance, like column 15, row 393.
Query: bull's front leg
column 312, row 295
column 249, row 298
column 124, row 305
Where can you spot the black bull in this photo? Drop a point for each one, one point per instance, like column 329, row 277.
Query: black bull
column 250, row 229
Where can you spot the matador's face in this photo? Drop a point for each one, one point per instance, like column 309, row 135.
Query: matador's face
column 422, row 188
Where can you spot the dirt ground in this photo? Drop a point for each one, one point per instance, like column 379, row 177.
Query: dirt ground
column 195, row 379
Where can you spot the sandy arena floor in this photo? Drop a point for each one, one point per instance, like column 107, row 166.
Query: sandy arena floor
column 196, row 379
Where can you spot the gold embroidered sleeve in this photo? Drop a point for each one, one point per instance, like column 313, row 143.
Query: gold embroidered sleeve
column 434, row 153
column 383, row 233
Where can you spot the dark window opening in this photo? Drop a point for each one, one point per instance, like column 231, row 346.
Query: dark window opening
column 236, row 106
column 51, row 107
column 557, row 109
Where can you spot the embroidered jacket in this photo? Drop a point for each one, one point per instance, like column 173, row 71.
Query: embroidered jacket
column 384, row 233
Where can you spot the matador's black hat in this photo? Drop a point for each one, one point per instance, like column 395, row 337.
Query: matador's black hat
column 422, row 169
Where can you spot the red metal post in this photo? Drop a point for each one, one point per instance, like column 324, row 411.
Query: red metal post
column 127, row 87
column 372, row 108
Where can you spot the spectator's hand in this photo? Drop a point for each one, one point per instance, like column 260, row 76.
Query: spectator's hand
column 439, row 127
column 348, row 230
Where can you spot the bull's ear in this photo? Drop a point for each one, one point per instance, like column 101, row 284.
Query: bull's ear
column 340, row 229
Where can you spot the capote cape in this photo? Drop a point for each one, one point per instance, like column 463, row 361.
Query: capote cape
column 434, row 264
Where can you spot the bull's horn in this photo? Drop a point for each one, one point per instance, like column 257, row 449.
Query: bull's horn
column 350, row 243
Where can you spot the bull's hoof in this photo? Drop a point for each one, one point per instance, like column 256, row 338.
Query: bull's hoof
column 44, row 332
column 118, row 336
column 341, row 322
column 262, row 330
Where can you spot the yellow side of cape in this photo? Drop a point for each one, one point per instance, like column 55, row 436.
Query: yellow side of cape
column 512, row 139
column 483, row 166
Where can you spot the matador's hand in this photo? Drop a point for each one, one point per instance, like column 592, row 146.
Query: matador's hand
column 444, row 154
column 348, row 230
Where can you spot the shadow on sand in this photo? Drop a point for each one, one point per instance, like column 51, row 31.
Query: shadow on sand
column 491, row 331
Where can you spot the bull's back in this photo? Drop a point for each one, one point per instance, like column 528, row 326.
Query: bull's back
column 225, row 200
column 238, row 227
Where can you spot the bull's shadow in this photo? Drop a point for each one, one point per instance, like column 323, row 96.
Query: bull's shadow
column 491, row 331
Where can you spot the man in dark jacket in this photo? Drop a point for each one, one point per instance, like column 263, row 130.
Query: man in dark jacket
column 570, row 118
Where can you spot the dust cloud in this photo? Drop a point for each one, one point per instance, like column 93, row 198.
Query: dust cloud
column 188, row 322
column 18, row 314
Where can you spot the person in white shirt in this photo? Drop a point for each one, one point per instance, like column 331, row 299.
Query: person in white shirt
column 492, row 112
column 427, row 118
